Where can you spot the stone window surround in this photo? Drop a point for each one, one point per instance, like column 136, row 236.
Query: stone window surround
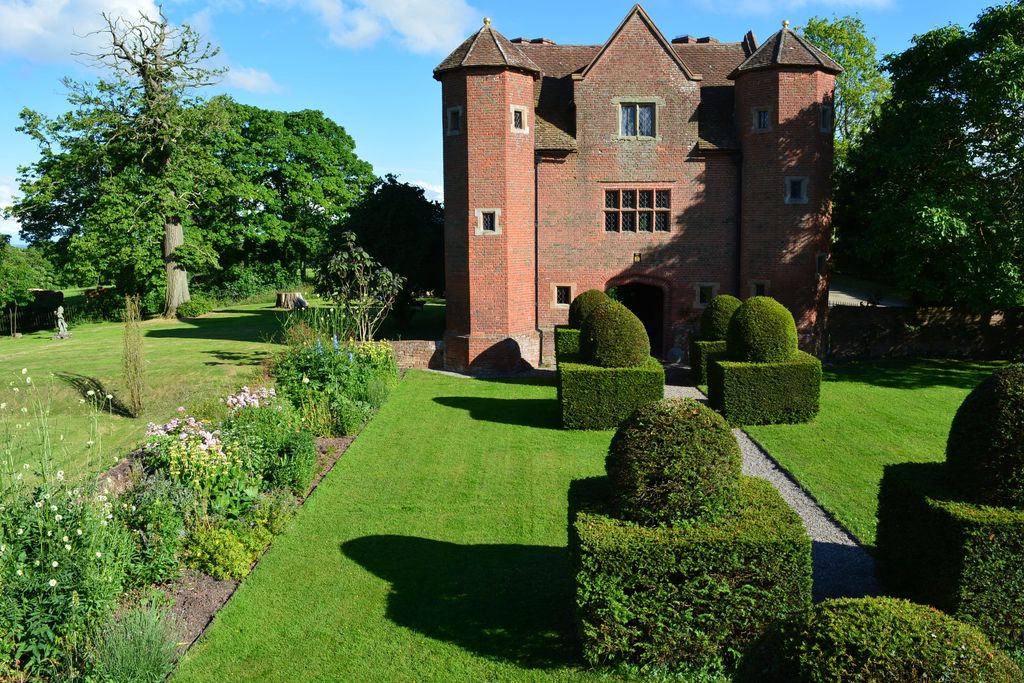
column 754, row 111
column 659, row 104
column 700, row 285
column 764, row 283
column 526, row 119
column 480, row 222
column 654, row 209
column 448, row 120
column 554, row 294
column 788, row 185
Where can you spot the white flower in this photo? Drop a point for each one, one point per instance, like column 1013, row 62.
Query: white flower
column 81, row 400
column 28, row 380
column 67, row 546
column 89, row 443
column 103, row 522
column 53, row 508
column 25, row 466
column 59, row 517
column 3, row 406
column 110, row 397
column 66, row 539
column 39, row 503
column 60, row 473
column 24, row 410
column 21, row 531
column 79, row 532
column 2, row 547
column 53, row 583
column 37, row 563
column 305, row 380
column 90, row 393
column 55, row 564
column 24, row 371
column 98, row 554
column 20, row 573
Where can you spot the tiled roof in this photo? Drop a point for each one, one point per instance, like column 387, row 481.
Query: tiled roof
column 786, row 48
column 486, row 47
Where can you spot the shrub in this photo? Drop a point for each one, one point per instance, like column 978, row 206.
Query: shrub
column 874, row 639
column 762, row 331
column 714, row 322
column 601, row 398
column 583, row 305
column 673, row 460
column 963, row 558
column 139, row 647
column 154, row 512
column 702, row 355
column 196, row 306
column 218, row 551
column 295, row 465
column 131, row 355
column 667, row 598
column 567, row 342
column 193, row 455
column 612, row 337
column 272, row 510
column 985, row 450
column 766, row 393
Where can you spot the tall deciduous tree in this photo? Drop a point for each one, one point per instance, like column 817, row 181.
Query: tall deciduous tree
column 119, row 174
column 861, row 87
column 933, row 198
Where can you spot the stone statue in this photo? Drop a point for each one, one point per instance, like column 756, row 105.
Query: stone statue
column 62, row 326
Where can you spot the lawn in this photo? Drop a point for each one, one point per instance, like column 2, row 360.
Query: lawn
column 873, row 413
column 435, row 550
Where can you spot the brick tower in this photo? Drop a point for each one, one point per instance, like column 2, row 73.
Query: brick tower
column 487, row 87
column 784, row 96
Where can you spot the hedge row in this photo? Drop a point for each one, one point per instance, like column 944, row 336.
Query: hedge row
column 766, row 393
column 686, row 597
column 965, row 559
column 593, row 397
column 702, row 354
column 567, row 342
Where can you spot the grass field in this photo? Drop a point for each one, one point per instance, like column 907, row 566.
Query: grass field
column 435, row 551
column 872, row 414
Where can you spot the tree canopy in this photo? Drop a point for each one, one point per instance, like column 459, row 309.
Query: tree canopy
column 933, row 198
column 20, row 271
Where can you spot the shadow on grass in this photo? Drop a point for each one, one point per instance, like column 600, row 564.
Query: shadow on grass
column 505, row 602
column 236, row 357
column 542, row 413
column 83, row 384
column 531, row 378
column 919, row 373
column 257, row 325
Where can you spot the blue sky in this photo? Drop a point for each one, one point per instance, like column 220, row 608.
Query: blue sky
column 367, row 63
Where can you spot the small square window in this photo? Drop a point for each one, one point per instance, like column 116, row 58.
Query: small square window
column 611, row 221
column 661, row 221
column 563, row 295
column 637, row 120
column 762, row 118
column 490, row 223
column 611, row 199
column 520, row 120
column 629, row 221
column 758, row 288
column 454, row 120
column 519, row 124
column 796, row 190
column 705, row 293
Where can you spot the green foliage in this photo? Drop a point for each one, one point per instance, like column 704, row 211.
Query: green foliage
column 140, row 646
column 613, row 337
column 702, row 355
column 241, row 282
column 663, row 598
column 672, row 461
column 963, row 558
column 861, row 88
column 272, row 445
column 593, row 397
column 937, row 213
column 219, row 552
column 714, row 321
column 272, row 510
column 154, row 511
column 196, row 306
column 874, row 639
column 583, row 305
column 567, row 342
column 766, row 393
column 363, row 289
column 762, row 331
column 985, row 451
column 20, row 270
column 132, row 364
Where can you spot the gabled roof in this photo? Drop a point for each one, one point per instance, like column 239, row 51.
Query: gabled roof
column 786, row 48
column 486, row 47
column 638, row 11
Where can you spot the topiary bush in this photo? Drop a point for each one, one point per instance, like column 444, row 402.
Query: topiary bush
column 714, row 322
column 874, row 639
column 601, row 398
column 673, row 460
column 762, row 331
column 785, row 392
column 583, row 305
column 567, row 342
column 985, row 449
column 702, row 355
column 613, row 337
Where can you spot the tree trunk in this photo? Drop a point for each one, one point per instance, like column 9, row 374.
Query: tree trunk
column 177, row 278
column 286, row 300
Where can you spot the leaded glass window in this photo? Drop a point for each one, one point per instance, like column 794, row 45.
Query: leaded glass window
column 637, row 120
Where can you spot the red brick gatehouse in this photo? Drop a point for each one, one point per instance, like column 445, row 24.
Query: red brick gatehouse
column 670, row 170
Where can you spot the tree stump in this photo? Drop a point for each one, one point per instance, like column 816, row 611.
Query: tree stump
column 287, row 300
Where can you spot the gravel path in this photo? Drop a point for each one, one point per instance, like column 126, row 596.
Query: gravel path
column 842, row 568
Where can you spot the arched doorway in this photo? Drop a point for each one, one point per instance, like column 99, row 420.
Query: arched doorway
column 647, row 303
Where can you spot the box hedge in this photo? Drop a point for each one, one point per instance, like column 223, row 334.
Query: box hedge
column 702, row 354
column 766, row 393
column 963, row 558
column 688, row 598
column 567, row 342
column 593, row 397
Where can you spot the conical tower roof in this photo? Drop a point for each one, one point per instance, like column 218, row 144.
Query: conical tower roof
column 786, row 48
column 486, row 47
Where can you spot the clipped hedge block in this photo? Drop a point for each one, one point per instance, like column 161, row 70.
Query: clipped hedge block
column 567, row 342
column 963, row 558
column 766, row 393
column 702, row 354
column 593, row 397
column 684, row 598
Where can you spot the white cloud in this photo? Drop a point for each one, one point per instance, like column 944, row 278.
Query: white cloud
column 773, row 7
column 422, row 25
column 8, row 188
column 432, row 191
column 54, row 30
column 251, row 80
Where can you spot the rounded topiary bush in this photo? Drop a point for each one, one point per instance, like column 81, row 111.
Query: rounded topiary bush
column 762, row 331
column 714, row 322
column 672, row 460
column 985, row 449
column 583, row 305
column 874, row 639
column 612, row 337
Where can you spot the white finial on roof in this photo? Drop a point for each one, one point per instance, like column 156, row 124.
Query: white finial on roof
column 487, row 21
column 785, row 24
